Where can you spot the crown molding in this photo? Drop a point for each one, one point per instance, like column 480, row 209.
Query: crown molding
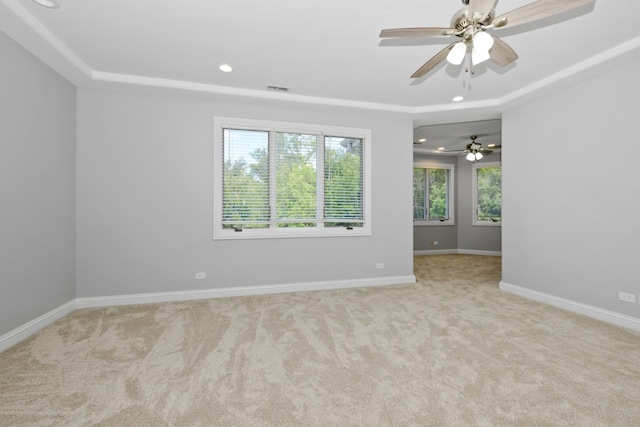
column 20, row 25
column 26, row 30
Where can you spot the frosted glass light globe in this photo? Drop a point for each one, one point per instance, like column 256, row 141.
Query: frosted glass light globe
column 478, row 56
column 457, row 53
column 483, row 41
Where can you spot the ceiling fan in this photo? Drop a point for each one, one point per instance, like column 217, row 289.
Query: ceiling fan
column 475, row 150
column 470, row 25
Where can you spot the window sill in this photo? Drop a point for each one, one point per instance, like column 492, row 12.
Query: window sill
column 436, row 223
column 289, row 234
column 487, row 224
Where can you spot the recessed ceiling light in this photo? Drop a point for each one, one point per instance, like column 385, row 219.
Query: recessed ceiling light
column 422, row 140
column 51, row 4
column 441, row 148
column 458, row 98
column 225, row 68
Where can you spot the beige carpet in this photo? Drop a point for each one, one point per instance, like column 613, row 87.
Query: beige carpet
column 451, row 350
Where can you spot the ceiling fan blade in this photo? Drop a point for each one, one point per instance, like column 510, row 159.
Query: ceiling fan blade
column 479, row 9
column 501, row 53
column 485, row 151
column 417, row 32
column 430, row 64
column 537, row 10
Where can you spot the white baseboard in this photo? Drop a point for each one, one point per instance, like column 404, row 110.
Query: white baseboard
column 23, row 332
column 457, row 251
column 148, row 298
column 612, row 317
column 436, row 252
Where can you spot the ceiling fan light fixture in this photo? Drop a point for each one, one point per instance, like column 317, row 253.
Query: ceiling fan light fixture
column 471, row 157
column 478, row 56
column 457, row 53
column 479, row 156
column 482, row 40
column 470, row 24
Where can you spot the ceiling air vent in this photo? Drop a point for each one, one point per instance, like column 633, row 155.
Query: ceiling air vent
column 278, row 88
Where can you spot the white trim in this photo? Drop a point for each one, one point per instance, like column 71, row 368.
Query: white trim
column 458, row 252
column 478, row 252
column 433, row 223
column 523, row 94
column 120, row 80
column 273, row 232
column 157, row 297
column 612, row 317
column 23, row 332
column 30, row 33
column 474, row 194
column 451, row 194
column 436, row 252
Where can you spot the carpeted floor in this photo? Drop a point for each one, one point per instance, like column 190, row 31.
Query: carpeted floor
column 450, row 350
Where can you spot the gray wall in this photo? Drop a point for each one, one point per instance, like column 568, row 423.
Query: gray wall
column 463, row 235
column 571, row 224
column 37, row 187
column 145, row 200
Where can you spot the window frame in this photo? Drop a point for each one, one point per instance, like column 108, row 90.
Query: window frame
column 474, row 190
column 221, row 233
column 451, row 200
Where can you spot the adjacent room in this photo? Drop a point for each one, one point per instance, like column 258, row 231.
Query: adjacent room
column 253, row 214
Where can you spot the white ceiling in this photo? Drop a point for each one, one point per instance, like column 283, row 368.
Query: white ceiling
column 327, row 53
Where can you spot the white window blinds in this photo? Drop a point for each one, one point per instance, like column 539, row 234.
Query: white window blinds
column 245, row 179
column 431, row 193
column 343, row 182
column 296, row 179
column 285, row 180
column 488, row 182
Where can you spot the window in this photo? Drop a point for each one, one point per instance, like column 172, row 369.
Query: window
column 276, row 179
column 433, row 194
column 487, row 194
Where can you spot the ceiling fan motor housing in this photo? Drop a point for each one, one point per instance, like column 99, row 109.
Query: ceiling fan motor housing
column 461, row 19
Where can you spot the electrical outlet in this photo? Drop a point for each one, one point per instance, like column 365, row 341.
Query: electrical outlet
column 623, row 296
column 434, row 243
column 200, row 276
column 380, row 265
